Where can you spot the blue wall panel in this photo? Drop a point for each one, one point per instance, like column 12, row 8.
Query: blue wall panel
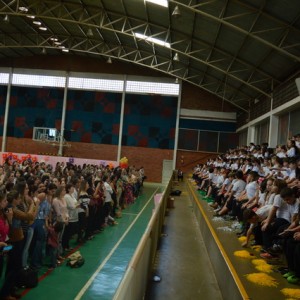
column 93, row 117
column 149, row 121
column 33, row 107
column 207, row 125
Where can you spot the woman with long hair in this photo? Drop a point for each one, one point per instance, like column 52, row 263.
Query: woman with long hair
column 72, row 226
column 61, row 214
column 83, row 211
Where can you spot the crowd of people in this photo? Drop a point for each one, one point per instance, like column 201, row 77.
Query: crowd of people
column 260, row 187
column 43, row 208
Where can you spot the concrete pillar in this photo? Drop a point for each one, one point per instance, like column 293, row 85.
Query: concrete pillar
column 273, row 131
column 251, row 135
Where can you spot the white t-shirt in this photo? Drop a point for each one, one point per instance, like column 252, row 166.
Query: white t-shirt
column 238, row 187
column 251, row 188
column 263, row 212
column 281, row 154
column 291, row 152
column 292, row 174
column 284, row 211
column 261, row 198
column 270, row 200
column 107, row 192
column 220, row 180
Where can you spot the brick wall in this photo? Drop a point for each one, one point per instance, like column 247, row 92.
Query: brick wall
column 186, row 160
column 196, row 98
column 151, row 159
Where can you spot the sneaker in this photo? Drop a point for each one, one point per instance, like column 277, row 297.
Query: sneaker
column 288, row 274
column 293, row 279
column 267, row 255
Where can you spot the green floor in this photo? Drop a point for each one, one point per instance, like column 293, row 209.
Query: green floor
column 106, row 258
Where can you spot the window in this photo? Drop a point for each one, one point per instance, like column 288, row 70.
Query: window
column 38, row 80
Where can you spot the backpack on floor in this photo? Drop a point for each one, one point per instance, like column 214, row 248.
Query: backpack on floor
column 75, row 260
column 175, row 193
column 27, row 278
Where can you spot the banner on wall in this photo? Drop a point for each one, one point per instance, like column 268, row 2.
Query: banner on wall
column 53, row 160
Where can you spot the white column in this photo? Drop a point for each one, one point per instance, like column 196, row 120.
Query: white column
column 4, row 137
column 273, row 131
column 63, row 118
column 122, row 119
column 177, row 126
column 251, row 135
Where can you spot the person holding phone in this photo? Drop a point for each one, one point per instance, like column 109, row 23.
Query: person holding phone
column 6, row 216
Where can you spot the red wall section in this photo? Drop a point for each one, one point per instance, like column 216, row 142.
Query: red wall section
column 151, row 159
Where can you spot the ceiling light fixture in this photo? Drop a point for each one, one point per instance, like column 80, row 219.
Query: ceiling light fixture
column 176, row 12
column 43, row 28
column 65, row 50
column 163, row 3
column 6, row 19
column 57, row 43
column 109, row 61
column 23, row 9
column 90, row 32
column 53, row 39
column 30, row 16
column 176, row 57
column 38, row 23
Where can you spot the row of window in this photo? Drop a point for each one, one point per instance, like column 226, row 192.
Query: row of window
column 288, row 126
column 94, row 84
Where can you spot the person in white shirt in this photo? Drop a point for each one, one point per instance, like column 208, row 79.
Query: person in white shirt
column 72, row 226
column 280, row 216
column 247, row 196
column 292, row 149
column 237, row 188
column 108, row 203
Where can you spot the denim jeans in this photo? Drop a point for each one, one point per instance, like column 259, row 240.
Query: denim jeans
column 39, row 243
column 27, row 243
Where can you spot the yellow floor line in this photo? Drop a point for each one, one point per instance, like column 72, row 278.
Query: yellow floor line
column 220, row 246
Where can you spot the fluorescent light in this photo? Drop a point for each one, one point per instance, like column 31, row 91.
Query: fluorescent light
column 163, row 3
column 152, row 40
column 30, row 16
column 43, row 28
column 23, row 9
column 65, row 50
column 37, row 23
column 53, row 39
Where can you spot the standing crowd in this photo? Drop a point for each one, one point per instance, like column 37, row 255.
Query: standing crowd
column 43, row 208
column 259, row 187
